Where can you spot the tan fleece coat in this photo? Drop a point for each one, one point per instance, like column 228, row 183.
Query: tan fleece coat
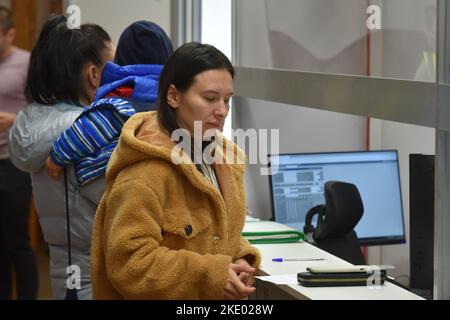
column 163, row 231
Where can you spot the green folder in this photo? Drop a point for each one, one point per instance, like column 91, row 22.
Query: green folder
column 265, row 237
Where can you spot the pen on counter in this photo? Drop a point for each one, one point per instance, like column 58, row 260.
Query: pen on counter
column 283, row 260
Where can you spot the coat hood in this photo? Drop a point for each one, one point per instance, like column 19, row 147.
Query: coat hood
column 142, row 138
column 143, row 42
column 144, row 80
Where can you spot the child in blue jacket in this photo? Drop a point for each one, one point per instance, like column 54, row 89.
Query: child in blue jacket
column 125, row 90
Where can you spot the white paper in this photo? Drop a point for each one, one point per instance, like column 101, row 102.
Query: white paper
column 280, row 279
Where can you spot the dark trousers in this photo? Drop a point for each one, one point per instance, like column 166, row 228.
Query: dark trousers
column 15, row 251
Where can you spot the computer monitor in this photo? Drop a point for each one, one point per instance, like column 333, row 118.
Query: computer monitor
column 298, row 185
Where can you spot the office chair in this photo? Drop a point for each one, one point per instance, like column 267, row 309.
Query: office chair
column 336, row 221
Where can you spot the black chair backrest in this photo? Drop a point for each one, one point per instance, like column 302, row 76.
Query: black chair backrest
column 343, row 210
column 337, row 219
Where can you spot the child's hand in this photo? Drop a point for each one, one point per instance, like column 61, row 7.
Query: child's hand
column 52, row 169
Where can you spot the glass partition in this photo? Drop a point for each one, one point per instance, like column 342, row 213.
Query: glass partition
column 391, row 38
column 361, row 59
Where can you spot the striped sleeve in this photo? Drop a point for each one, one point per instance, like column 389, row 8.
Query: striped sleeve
column 91, row 132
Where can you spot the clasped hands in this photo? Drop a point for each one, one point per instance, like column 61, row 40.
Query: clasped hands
column 239, row 284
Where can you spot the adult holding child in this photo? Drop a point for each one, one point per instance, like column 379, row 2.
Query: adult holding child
column 64, row 74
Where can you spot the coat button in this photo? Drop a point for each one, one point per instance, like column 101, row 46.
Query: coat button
column 188, row 230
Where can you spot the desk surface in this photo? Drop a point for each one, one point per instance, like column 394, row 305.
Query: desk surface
column 305, row 250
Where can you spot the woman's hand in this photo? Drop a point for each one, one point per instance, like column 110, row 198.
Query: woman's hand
column 6, row 120
column 245, row 277
column 52, row 169
column 235, row 289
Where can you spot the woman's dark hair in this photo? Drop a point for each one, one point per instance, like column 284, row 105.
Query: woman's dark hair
column 58, row 59
column 180, row 70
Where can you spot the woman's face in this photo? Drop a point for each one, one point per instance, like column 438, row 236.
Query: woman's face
column 207, row 100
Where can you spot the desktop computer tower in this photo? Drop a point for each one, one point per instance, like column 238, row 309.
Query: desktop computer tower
column 421, row 169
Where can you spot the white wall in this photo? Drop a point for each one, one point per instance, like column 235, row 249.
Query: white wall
column 216, row 30
column 114, row 16
column 216, row 24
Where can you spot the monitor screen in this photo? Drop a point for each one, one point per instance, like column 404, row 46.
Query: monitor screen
column 298, row 185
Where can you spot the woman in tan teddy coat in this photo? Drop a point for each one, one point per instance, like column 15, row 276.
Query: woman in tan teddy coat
column 169, row 224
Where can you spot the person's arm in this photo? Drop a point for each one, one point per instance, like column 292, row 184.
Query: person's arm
column 139, row 267
column 67, row 148
column 248, row 253
column 33, row 132
column 6, row 120
column 53, row 170
column 90, row 133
